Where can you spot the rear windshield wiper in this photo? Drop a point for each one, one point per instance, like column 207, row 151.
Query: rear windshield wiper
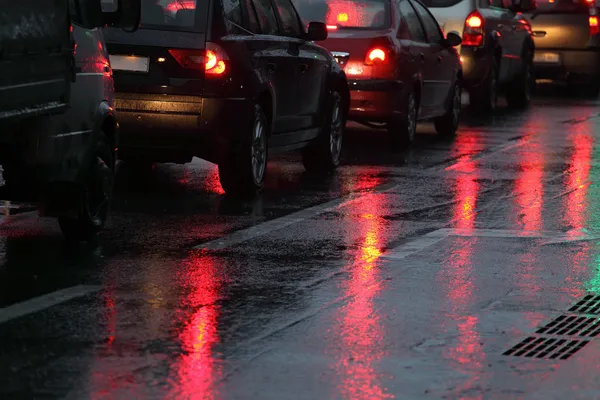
column 240, row 27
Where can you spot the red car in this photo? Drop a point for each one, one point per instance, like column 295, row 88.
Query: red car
column 401, row 68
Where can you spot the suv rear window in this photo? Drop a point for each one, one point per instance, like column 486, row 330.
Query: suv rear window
column 169, row 13
column 440, row 3
column 352, row 14
column 561, row 6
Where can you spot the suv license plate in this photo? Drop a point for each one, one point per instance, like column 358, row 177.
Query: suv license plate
column 547, row 58
column 129, row 63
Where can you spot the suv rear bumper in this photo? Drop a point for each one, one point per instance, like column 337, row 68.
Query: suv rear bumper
column 176, row 128
column 374, row 99
column 573, row 64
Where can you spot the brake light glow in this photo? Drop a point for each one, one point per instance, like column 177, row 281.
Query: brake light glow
column 332, row 27
column 594, row 26
column 342, row 17
column 213, row 61
column 375, row 55
column 474, row 21
column 473, row 32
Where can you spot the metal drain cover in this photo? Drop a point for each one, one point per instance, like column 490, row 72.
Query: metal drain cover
column 572, row 325
column 547, row 348
column 590, row 304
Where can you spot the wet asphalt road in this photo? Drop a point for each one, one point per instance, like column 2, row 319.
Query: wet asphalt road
column 405, row 275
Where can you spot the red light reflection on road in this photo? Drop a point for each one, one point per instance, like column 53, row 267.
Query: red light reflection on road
column 198, row 368
column 212, row 183
column 358, row 324
column 456, row 274
column 529, row 187
column 467, row 187
column 577, row 179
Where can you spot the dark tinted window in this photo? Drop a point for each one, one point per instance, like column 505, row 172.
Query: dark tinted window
column 441, row 3
column 352, row 14
column 412, row 21
column 169, row 13
column 233, row 13
column 250, row 18
column 431, row 27
column 289, row 19
column 266, row 17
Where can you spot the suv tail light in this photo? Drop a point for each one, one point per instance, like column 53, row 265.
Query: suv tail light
column 593, row 22
column 213, row 60
column 473, row 32
column 376, row 55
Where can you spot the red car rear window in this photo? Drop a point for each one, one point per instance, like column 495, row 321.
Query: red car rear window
column 370, row 14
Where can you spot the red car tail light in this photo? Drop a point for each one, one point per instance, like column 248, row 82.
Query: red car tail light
column 213, row 60
column 473, row 32
column 376, row 55
column 593, row 22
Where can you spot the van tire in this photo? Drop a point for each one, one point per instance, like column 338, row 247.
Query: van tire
column 486, row 99
column 95, row 194
column 519, row 92
column 323, row 155
column 242, row 174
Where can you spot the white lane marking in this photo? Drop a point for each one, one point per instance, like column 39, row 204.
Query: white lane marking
column 280, row 223
column 416, row 245
column 46, row 301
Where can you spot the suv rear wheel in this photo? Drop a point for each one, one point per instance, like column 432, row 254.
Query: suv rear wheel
column 94, row 196
column 519, row 92
column 243, row 172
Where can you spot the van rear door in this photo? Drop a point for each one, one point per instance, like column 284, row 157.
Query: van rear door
column 36, row 58
column 561, row 25
column 167, row 54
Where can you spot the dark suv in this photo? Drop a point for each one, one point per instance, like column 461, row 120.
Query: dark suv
column 497, row 47
column 567, row 42
column 227, row 81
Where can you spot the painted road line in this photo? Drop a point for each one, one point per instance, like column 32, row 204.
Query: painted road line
column 416, row 245
column 46, row 301
column 280, row 223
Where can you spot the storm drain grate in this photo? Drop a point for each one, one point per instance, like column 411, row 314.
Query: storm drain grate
column 571, row 325
column 548, row 348
column 590, row 304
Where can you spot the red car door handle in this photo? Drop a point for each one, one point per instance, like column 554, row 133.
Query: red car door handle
column 271, row 67
column 303, row 68
column 422, row 57
column 439, row 59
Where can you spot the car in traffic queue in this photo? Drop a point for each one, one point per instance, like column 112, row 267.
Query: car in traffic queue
column 497, row 48
column 228, row 81
column 401, row 68
column 567, row 42
column 58, row 128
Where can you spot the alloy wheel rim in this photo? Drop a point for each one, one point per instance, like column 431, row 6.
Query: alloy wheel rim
column 493, row 96
column 259, row 151
column 335, row 132
column 97, row 191
column 412, row 116
column 456, row 105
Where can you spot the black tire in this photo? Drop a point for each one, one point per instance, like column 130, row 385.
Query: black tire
column 403, row 130
column 323, row 155
column 447, row 124
column 519, row 92
column 243, row 173
column 94, row 196
column 486, row 99
column 137, row 165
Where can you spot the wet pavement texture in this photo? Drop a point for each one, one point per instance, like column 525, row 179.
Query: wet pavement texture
column 458, row 269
